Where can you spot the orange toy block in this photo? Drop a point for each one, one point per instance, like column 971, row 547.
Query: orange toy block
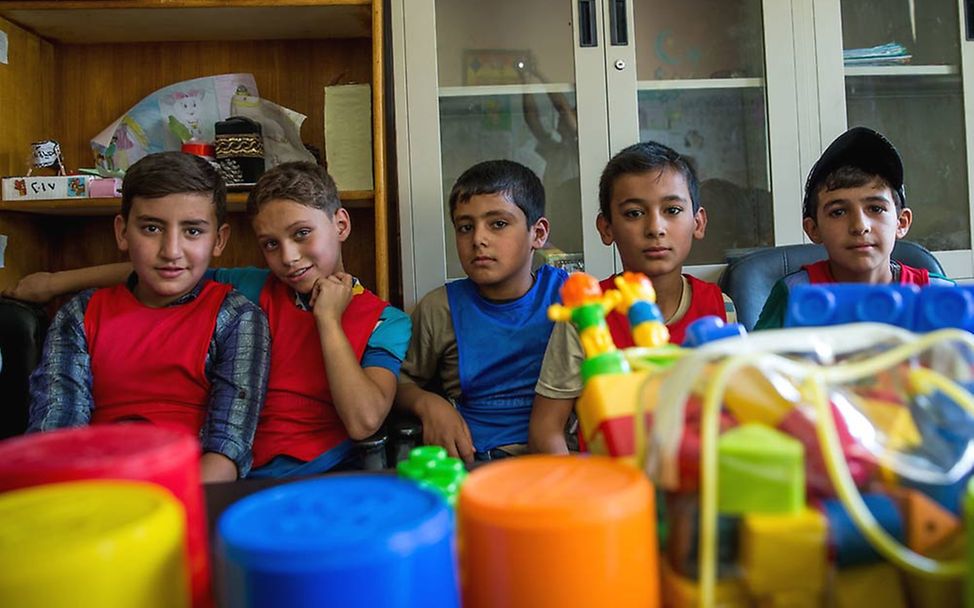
column 928, row 525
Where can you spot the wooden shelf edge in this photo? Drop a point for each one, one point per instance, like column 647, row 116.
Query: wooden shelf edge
column 45, row 5
column 236, row 203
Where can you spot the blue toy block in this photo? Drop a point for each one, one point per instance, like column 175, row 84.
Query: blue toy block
column 847, row 544
column 907, row 306
column 840, row 303
column 709, row 329
column 942, row 306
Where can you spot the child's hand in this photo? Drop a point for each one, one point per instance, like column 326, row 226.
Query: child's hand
column 331, row 295
column 37, row 287
column 443, row 425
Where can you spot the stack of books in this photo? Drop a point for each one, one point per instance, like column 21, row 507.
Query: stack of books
column 891, row 53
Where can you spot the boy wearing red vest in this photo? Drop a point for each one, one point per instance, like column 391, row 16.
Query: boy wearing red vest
column 649, row 208
column 478, row 342
column 854, row 205
column 169, row 347
column 336, row 347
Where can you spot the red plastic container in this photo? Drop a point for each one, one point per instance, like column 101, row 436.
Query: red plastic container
column 142, row 452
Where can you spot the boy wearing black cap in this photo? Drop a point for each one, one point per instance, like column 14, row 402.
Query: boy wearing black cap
column 855, row 205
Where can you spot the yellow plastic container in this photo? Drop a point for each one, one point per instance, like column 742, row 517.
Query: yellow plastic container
column 111, row 544
column 557, row 531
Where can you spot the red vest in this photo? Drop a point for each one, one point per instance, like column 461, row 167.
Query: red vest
column 705, row 299
column 299, row 418
column 819, row 273
column 148, row 363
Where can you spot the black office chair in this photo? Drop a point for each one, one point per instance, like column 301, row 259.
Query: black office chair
column 748, row 279
column 22, row 329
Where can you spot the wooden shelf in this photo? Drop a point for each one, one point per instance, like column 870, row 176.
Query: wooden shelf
column 122, row 21
column 236, row 203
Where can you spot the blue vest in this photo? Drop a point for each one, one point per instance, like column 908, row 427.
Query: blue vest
column 500, row 347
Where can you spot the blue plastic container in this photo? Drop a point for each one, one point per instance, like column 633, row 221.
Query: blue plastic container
column 350, row 540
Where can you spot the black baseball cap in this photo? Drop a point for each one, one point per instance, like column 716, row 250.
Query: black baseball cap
column 858, row 147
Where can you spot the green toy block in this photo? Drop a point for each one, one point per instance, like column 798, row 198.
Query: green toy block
column 760, row 470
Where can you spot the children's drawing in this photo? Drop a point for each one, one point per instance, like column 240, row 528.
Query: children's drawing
column 189, row 109
column 186, row 109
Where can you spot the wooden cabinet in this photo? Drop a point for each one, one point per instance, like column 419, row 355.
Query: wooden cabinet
column 74, row 66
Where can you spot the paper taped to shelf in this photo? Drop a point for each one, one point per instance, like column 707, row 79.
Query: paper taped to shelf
column 348, row 135
column 45, row 187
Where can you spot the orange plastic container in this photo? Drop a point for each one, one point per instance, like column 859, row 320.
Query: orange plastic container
column 556, row 531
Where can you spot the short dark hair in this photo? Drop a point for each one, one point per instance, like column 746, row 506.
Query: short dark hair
column 848, row 176
column 303, row 182
column 643, row 158
column 506, row 177
column 164, row 173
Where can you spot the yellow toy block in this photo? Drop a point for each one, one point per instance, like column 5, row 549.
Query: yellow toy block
column 751, row 397
column 784, row 553
column 681, row 592
column 893, row 420
column 925, row 592
column 790, row 599
column 606, row 410
column 872, row 585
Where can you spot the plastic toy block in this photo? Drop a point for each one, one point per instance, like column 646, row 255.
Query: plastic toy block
column 790, row 599
column 846, row 544
column 926, row 592
column 796, row 424
column 688, row 457
column 872, row 585
column 683, row 542
column 760, row 470
column 893, row 420
column 607, row 407
column 432, row 469
column 710, row 329
column 928, row 525
column 784, row 553
column 751, row 397
column 939, row 307
column 840, row 303
column 681, row 592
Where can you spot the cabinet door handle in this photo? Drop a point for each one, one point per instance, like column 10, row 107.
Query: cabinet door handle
column 588, row 35
column 618, row 24
column 969, row 18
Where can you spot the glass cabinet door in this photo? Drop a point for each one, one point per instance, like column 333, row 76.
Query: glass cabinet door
column 701, row 89
column 904, row 78
column 506, row 90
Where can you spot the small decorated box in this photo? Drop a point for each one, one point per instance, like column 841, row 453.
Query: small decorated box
column 45, row 187
column 105, row 187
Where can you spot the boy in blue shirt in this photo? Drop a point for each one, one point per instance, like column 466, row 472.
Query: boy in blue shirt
column 477, row 343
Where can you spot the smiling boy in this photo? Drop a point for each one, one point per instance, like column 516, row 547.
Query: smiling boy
column 169, row 347
column 855, row 206
column 477, row 343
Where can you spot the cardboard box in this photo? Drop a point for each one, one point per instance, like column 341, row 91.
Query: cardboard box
column 45, row 187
